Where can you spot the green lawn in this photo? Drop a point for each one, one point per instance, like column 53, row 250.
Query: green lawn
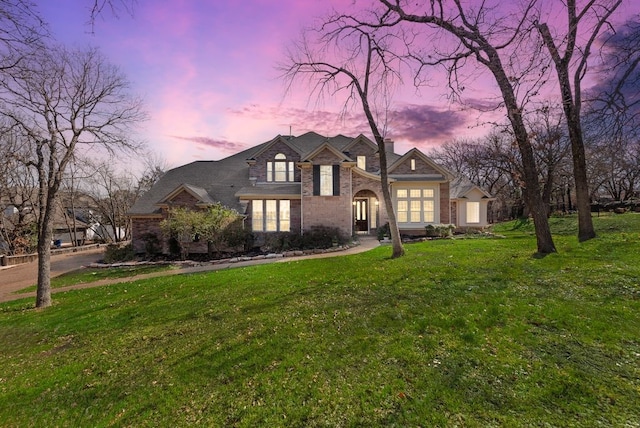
column 88, row 275
column 470, row 332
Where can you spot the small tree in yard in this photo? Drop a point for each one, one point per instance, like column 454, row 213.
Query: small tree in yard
column 216, row 218
column 56, row 102
column 187, row 225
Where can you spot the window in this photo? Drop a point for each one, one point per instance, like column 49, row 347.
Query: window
column 413, row 164
column 362, row 162
column 473, row 212
column 326, row 180
column 280, row 169
column 416, row 205
column 271, row 215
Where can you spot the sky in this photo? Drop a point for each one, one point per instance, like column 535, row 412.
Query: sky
column 206, row 70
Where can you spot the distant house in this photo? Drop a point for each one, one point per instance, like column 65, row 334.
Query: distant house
column 294, row 184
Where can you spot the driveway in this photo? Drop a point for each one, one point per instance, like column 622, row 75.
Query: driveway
column 14, row 278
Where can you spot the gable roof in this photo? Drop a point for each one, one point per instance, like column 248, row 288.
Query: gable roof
column 461, row 186
column 446, row 174
column 326, row 146
column 198, row 193
column 227, row 180
column 278, row 139
column 360, row 139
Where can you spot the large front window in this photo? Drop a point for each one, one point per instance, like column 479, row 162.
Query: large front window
column 271, row 215
column 280, row 169
column 416, row 205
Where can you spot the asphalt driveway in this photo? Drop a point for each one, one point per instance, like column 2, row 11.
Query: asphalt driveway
column 14, row 278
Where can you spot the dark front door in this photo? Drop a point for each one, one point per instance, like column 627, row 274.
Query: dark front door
column 361, row 208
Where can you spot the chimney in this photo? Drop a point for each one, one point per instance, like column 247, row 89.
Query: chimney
column 389, row 145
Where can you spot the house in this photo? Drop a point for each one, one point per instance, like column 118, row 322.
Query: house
column 294, row 184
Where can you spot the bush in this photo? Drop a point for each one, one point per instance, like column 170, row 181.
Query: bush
column 152, row 245
column 383, row 232
column 323, row 237
column 235, row 236
column 316, row 238
column 118, row 253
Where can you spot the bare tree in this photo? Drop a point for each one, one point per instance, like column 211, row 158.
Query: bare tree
column 21, row 32
column 613, row 104
column 112, row 194
column 498, row 41
column 65, row 99
column 350, row 59
column 97, row 9
column 551, row 147
column 571, row 68
column 17, row 198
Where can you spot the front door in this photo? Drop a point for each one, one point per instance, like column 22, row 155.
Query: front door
column 361, row 214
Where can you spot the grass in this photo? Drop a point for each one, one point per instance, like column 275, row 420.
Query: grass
column 473, row 332
column 88, row 275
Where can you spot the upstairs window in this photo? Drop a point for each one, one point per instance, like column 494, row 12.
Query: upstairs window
column 280, row 169
column 413, row 164
column 362, row 162
column 326, row 180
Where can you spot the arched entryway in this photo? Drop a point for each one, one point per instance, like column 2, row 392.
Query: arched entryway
column 365, row 212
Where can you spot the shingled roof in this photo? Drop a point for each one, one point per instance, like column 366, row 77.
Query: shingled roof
column 222, row 179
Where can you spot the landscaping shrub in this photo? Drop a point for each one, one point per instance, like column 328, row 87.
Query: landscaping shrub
column 119, row 253
column 152, row 245
column 383, row 232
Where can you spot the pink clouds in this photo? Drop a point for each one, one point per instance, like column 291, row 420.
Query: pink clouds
column 222, row 145
column 207, row 72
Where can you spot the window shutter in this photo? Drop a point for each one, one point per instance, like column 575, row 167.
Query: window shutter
column 316, row 180
column 336, row 180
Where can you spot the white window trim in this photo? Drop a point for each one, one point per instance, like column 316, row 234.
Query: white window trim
column 436, row 204
column 474, row 218
column 260, row 222
column 326, row 180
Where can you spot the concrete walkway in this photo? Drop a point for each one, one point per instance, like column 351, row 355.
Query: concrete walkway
column 366, row 243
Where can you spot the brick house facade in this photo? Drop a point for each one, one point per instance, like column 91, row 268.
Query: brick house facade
column 294, row 184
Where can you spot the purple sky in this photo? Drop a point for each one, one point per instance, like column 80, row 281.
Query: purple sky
column 206, row 70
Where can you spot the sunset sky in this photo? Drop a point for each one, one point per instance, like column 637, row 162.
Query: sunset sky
column 207, row 72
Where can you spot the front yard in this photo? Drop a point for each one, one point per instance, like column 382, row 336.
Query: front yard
column 470, row 332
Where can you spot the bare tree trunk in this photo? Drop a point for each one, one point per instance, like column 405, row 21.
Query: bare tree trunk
column 586, row 230
column 533, row 197
column 45, row 235
column 572, row 98
column 43, row 297
column 396, row 239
